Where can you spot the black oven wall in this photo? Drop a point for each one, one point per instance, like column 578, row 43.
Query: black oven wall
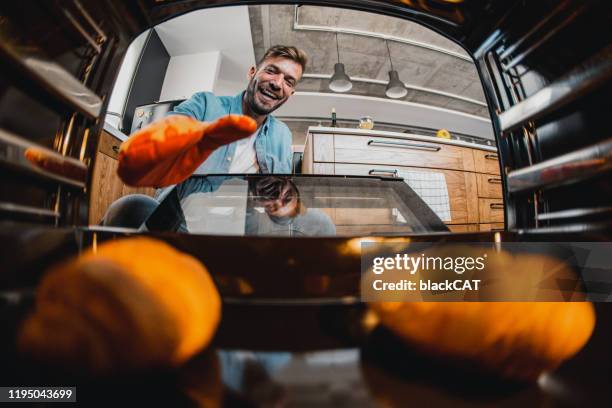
column 58, row 63
column 547, row 70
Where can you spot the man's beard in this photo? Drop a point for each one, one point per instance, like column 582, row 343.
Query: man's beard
column 254, row 105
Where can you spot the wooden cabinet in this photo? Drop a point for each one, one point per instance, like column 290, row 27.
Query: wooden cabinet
column 368, row 221
column 496, row 226
column 464, row 228
column 461, row 187
column 379, row 150
column 489, row 186
column 490, row 210
column 471, row 174
column 106, row 187
column 109, row 145
column 486, row 162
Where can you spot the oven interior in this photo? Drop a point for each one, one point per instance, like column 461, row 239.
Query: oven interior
column 545, row 68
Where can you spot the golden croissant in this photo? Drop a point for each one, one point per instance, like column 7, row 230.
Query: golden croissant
column 132, row 304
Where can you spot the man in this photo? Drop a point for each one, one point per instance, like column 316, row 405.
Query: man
column 284, row 212
column 271, row 83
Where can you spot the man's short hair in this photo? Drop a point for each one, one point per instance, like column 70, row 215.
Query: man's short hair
column 289, row 52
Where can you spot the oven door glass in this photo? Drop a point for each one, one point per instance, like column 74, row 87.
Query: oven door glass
column 293, row 205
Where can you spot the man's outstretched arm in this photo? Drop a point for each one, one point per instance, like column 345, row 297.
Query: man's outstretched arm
column 168, row 151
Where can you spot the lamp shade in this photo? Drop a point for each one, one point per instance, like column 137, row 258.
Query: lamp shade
column 340, row 82
column 395, row 88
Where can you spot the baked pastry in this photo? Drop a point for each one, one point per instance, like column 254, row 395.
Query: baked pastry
column 131, row 304
column 61, row 166
column 517, row 340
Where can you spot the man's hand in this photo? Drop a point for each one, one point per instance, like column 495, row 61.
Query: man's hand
column 169, row 151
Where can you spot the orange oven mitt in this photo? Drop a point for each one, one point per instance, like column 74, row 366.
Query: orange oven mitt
column 169, row 151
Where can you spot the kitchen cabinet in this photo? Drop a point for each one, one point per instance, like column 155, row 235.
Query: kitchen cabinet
column 401, row 152
column 496, row 226
column 470, row 171
column 461, row 186
column 486, row 162
column 463, row 228
column 490, row 210
column 489, row 186
column 106, row 186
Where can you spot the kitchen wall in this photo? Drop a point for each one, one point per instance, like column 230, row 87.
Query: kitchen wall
column 299, row 129
column 206, row 50
column 319, row 105
column 188, row 74
column 210, row 50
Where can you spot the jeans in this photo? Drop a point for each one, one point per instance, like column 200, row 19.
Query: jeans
column 129, row 211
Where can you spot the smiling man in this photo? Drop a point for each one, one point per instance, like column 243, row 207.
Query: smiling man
column 268, row 150
column 271, row 84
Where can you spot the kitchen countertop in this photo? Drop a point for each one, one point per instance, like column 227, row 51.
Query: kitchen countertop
column 115, row 132
column 408, row 136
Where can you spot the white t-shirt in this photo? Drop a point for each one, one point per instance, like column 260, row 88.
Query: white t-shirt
column 245, row 158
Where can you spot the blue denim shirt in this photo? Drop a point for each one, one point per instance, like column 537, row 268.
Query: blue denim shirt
column 272, row 144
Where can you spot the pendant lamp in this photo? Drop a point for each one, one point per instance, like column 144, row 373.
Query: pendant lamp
column 395, row 88
column 339, row 82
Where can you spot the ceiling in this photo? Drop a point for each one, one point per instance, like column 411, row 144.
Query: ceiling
column 444, row 89
column 437, row 71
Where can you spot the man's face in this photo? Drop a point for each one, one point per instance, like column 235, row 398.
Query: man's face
column 271, row 84
column 282, row 207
